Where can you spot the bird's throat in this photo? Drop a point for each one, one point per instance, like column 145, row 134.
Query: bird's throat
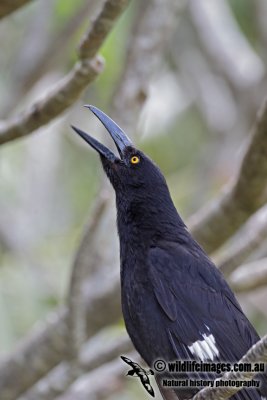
column 145, row 222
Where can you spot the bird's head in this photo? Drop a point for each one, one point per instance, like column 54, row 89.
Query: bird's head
column 131, row 171
column 141, row 190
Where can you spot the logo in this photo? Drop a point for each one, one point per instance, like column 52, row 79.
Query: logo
column 140, row 373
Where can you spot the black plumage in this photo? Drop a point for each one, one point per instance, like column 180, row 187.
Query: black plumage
column 176, row 304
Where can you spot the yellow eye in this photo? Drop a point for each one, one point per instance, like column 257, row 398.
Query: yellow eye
column 135, row 160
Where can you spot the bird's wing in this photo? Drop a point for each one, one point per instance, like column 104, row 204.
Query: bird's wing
column 200, row 314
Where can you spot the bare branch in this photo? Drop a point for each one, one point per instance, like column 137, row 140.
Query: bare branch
column 100, row 28
column 46, row 345
column 55, row 101
column 216, row 222
column 25, row 75
column 93, row 354
column 40, row 351
column 76, row 303
column 100, row 383
column 257, row 354
column 7, row 7
column 244, row 243
column 98, row 351
column 65, row 92
column 250, row 276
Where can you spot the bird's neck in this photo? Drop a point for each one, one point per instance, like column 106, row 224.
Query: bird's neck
column 143, row 222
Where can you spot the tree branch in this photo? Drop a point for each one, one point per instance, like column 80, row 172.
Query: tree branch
column 244, row 243
column 60, row 97
column 100, row 383
column 47, row 344
column 100, row 28
column 25, row 76
column 216, row 222
column 96, row 352
column 80, row 271
column 40, row 351
column 249, row 276
column 65, row 92
column 257, row 354
column 7, row 7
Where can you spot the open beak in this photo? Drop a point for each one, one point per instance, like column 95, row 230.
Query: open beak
column 120, row 139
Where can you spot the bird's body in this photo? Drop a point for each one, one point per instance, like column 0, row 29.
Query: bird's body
column 176, row 304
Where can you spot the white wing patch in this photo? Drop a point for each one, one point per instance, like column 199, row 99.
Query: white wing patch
column 205, row 349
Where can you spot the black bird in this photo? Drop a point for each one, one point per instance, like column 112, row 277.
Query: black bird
column 141, row 373
column 176, row 304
